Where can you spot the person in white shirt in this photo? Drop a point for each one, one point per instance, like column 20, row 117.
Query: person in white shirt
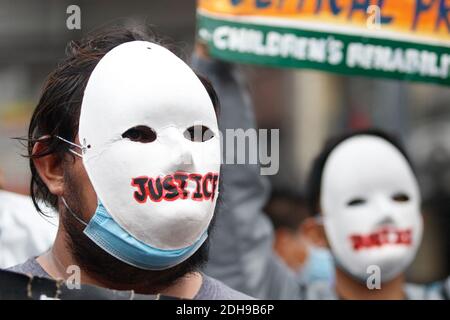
column 23, row 232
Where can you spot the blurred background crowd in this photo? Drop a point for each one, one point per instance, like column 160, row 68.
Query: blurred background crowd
column 307, row 106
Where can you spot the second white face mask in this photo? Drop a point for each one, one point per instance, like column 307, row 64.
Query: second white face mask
column 140, row 107
column 370, row 203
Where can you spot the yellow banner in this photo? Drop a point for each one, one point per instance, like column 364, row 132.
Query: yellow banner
column 414, row 19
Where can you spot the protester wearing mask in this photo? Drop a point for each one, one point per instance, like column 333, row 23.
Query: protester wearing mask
column 367, row 204
column 295, row 241
column 124, row 143
column 23, row 232
column 245, row 260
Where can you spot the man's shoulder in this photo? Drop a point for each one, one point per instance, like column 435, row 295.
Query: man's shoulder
column 213, row 289
column 30, row 267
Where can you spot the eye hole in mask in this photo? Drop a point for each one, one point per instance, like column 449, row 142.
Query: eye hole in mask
column 142, row 134
column 400, row 197
column 198, row 133
column 356, row 202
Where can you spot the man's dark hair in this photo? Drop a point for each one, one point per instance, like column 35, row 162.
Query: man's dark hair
column 286, row 210
column 58, row 110
column 315, row 176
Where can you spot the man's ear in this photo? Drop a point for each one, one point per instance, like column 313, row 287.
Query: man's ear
column 314, row 231
column 50, row 170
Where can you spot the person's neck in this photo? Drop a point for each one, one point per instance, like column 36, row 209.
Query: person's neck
column 58, row 259
column 348, row 288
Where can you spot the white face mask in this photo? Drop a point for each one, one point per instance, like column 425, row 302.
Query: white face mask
column 162, row 191
column 370, row 203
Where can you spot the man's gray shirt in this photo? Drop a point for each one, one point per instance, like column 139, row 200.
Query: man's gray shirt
column 211, row 289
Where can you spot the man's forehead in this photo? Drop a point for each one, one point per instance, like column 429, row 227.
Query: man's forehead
column 363, row 158
column 365, row 151
column 142, row 84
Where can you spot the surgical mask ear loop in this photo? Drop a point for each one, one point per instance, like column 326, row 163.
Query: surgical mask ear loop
column 73, row 213
column 83, row 149
column 319, row 218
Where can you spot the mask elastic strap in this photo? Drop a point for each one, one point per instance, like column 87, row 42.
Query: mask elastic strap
column 74, row 145
column 72, row 213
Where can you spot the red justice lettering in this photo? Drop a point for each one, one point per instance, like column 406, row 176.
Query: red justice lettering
column 173, row 187
column 380, row 238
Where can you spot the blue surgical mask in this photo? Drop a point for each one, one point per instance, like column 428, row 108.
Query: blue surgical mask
column 319, row 266
column 111, row 237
